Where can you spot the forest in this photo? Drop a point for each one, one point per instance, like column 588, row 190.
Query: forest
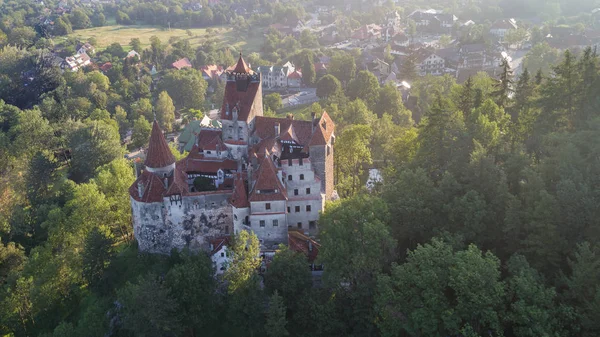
column 486, row 223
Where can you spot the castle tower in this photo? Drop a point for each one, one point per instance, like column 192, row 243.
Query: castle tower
column 321, row 152
column 242, row 102
column 159, row 159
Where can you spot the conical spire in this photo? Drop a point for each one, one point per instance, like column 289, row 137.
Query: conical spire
column 159, row 153
column 241, row 67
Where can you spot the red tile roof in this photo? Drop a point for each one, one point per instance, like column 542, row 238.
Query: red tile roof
column 267, row 179
column 323, row 130
column 301, row 243
column 183, row 63
column 241, row 67
column 289, row 134
column 239, row 198
column 212, row 71
column 217, row 243
column 106, row 67
column 203, row 165
column 159, row 154
column 295, row 75
column 153, row 187
column 242, row 99
column 265, row 128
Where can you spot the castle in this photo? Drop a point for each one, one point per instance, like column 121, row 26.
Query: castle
column 255, row 173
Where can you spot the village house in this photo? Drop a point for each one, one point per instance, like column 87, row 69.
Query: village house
column 182, row 63
column 429, row 63
column 86, row 48
column 212, row 72
column 433, row 21
column 256, row 173
column 368, row 32
column 76, row 62
column 501, row 27
column 276, row 77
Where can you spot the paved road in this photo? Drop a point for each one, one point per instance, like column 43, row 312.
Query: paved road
column 306, row 96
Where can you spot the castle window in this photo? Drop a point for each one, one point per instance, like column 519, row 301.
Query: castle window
column 308, row 208
column 297, row 208
column 268, row 205
column 208, row 152
column 226, row 229
column 308, row 191
column 300, row 225
column 312, row 224
column 289, row 209
column 302, row 177
column 262, row 223
column 290, row 162
column 296, row 192
column 290, row 177
column 328, row 150
column 301, row 161
column 275, row 223
column 222, row 254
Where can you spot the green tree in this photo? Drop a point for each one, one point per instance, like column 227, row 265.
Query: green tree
column 343, row 67
column 441, row 292
column 97, row 253
column 165, row 111
column 148, row 308
column 352, row 154
column 504, row 87
column 245, row 260
column 288, row 275
column 186, row 87
column 193, row 286
column 79, row 19
column 309, row 74
column 92, row 146
column 276, row 320
column 328, row 86
column 408, row 68
column 366, row 87
column 273, row 101
column 62, row 26
column 136, row 44
column 390, row 102
column 141, row 132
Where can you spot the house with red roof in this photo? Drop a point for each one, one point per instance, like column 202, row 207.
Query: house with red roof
column 182, row 63
column 211, row 72
column 255, row 173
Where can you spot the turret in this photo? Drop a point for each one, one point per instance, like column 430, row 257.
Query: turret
column 159, row 160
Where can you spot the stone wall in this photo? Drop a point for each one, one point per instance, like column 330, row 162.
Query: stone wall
column 269, row 234
column 189, row 223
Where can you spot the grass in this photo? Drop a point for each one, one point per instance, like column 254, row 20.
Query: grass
column 225, row 36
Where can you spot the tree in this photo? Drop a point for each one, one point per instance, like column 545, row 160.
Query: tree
column 276, row 320
column 92, row 146
column 390, row 102
column 141, row 132
column 328, row 86
column 193, row 286
column 351, row 155
column 504, row 87
column 186, row 87
column 288, row 275
column 136, row 44
column 466, row 101
column 309, row 74
column 541, row 57
column 98, row 19
column 408, row 68
column 343, row 67
column 273, row 101
column 97, row 253
column 122, row 18
column 165, row 111
column 366, row 87
column 22, row 37
column 441, row 292
column 347, row 227
column 79, row 19
column 115, row 49
column 62, row 26
column 148, row 308
column 245, row 259
column 532, row 305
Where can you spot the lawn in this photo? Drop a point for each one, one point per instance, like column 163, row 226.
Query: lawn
column 123, row 34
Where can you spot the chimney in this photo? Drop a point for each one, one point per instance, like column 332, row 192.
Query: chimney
column 310, row 247
column 312, row 116
column 277, row 127
column 140, row 189
column 166, row 181
column 212, row 247
column 235, row 112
